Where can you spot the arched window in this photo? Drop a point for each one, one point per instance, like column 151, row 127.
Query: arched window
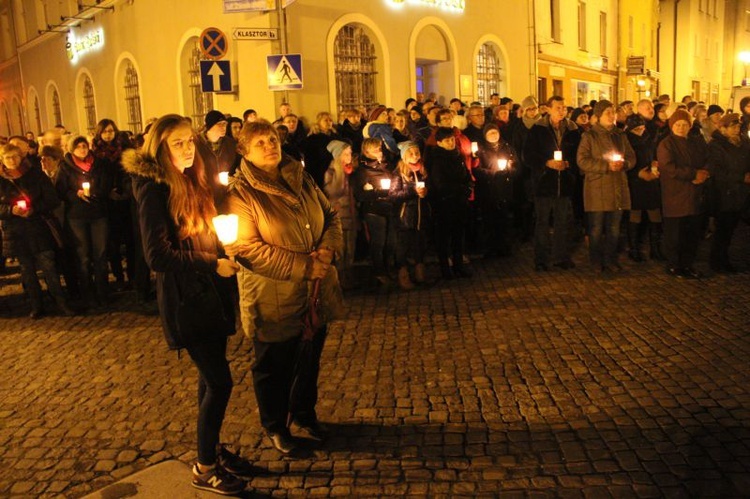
column 133, row 99
column 56, row 109
column 89, row 106
column 200, row 102
column 355, row 66
column 37, row 115
column 7, row 131
column 488, row 73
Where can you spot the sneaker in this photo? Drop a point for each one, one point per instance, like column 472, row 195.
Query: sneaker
column 233, row 462
column 218, row 481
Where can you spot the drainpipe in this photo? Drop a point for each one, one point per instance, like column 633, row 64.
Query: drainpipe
column 533, row 70
column 674, row 54
column 282, row 35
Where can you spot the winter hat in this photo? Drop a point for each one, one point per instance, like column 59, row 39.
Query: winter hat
column 529, row 101
column 337, row 147
column 214, row 117
column 713, row 108
column 634, row 121
column 576, row 113
column 602, row 106
column 376, row 112
column 405, row 146
column 729, row 119
column 488, row 127
column 443, row 133
column 679, row 115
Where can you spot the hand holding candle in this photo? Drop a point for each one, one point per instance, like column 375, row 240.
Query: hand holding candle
column 502, row 164
column 224, row 178
column 385, row 183
column 557, row 156
column 21, row 203
column 474, row 148
column 615, row 162
column 86, row 186
column 226, row 227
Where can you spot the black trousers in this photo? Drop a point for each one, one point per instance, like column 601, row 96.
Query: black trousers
column 214, row 389
column 451, row 219
column 273, row 374
column 681, row 238
column 726, row 223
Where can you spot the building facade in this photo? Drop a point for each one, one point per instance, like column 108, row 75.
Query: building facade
column 74, row 63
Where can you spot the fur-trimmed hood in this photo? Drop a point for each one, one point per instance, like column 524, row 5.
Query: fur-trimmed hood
column 135, row 163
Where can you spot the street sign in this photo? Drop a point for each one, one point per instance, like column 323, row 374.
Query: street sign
column 216, row 76
column 636, row 65
column 213, row 43
column 251, row 5
column 255, row 34
column 284, row 71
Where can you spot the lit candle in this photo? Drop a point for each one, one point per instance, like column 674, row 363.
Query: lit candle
column 21, row 203
column 474, row 147
column 224, row 178
column 420, row 185
column 86, row 188
column 616, row 157
column 558, row 156
column 226, row 228
column 502, row 164
column 385, row 183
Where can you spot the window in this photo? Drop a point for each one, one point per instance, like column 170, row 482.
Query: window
column 56, row 109
column 37, row 115
column 354, row 61
column 581, row 25
column 133, row 99
column 488, row 73
column 554, row 11
column 202, row 102
column 89, row 107
column 603, row 33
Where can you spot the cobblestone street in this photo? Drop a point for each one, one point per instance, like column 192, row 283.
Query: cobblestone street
column 513, row 383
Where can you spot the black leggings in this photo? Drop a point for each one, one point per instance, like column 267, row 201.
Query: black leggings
column 214, row 389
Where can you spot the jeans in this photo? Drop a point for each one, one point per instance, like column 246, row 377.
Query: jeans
column 91, row 246
column 604, row 234
column 559, row 247
column 44, row 261
column 214, row 389
column 681, row 238
column 273, row 374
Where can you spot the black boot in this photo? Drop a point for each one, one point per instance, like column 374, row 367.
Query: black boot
column 655, row 238
column 634, row 242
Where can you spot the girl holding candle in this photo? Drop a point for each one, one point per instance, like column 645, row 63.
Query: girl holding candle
column 86, row 214
column 175, row 210
column 339, row 191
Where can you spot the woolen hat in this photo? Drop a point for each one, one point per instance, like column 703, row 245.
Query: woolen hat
column 488, row 127
column 679, row 115
column 729, row 119
column 576, row 113
column 634, row 121
column 405, row 146
column 214, row 117
column 376, row 112
column 529, row 101
column 602, row 106
column 443, row 133
column 336, row 147
column 713, row 108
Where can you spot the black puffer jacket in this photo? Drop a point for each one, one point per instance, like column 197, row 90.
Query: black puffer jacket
column 448, row 179
column 30, row 235
column 69, row 182
column 375, row 200
column 728, row 164
column 412, row 212
column 495, row 186
column 540, row 147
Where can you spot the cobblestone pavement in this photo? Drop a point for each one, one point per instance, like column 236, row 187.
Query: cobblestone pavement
column 513, row 383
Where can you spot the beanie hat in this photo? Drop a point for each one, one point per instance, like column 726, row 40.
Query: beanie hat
column 405, row 146
column 602, row 106
column 729, row 119
column 336, row 147
column 376, row 112
column 713, row 108
column 443, row 133
column 634, row 121
column 576, row 113
column 488, row 127
column 679, row 115
column 214, row 117
column 529, row 101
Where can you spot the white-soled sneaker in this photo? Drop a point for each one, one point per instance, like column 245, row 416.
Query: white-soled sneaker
column 218, row 481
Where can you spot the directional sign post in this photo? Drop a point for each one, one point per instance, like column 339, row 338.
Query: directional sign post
column 216, row 76
column 284, row 71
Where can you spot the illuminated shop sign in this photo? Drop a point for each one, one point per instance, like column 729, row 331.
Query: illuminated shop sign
column 454, row 5
column 76, row 47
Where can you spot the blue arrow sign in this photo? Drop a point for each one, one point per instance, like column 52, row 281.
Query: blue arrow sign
column 216, row 76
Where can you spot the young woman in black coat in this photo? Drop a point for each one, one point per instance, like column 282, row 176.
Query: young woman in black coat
column 175, row 209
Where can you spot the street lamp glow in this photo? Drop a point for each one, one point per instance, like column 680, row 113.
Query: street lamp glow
column 744, row 57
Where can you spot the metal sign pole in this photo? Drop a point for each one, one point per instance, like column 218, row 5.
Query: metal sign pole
column 282, row 35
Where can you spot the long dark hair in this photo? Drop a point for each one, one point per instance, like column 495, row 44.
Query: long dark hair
column 191, row 203
column 107, row 150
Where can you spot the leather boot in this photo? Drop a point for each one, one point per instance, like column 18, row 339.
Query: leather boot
column 634, row 242
column 655, row 241
column 403, row 279
column 419, row 273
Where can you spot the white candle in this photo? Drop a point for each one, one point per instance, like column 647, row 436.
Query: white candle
column 558, row 156
column 420, row 185
column 226, row 228
column 502, row 164
column 385, row 183
column 224, row 178
column 21, row 203
column 616, row 157
column 86, row 188
column 474, row 147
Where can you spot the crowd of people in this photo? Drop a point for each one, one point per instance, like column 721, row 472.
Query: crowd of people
column 390, row 187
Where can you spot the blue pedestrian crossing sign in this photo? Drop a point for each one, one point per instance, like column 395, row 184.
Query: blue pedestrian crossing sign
column 284, row 71
column 216, row 76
